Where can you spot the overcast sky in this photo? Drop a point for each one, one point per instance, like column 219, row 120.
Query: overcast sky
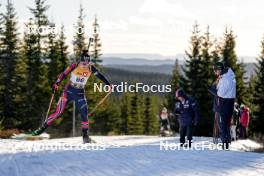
column 158, row 26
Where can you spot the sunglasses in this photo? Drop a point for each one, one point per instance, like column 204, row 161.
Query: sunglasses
column 84, row 62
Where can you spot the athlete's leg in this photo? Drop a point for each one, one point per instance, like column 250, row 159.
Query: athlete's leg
column 83, row 109
column 66, row 96
column 64, row 99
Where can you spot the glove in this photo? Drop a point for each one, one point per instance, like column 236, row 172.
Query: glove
column 55, row 88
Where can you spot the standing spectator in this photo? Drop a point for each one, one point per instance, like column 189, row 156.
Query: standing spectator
column 215, row 110
column 164, row 122
column 244, row 121
column 226, row 94
column 235, row 122
column 187, row 109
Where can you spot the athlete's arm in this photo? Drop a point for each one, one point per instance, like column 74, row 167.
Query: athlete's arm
column 64, row 74
column 99, row 75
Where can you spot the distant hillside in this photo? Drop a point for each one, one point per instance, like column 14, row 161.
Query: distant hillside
column 121, row 75
column 165, row 69
column 149, row 68
column 151, row 59
column 135, row 61
column 250, row 68
column 143, row 55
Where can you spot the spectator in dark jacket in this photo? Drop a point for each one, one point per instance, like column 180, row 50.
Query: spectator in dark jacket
column 187, row 110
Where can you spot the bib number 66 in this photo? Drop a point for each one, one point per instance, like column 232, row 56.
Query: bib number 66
column 80, row 80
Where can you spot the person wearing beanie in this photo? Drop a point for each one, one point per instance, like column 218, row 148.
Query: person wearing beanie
column 188, row 112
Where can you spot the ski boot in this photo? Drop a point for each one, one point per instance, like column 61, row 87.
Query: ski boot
column 185, row 145
column 86, row 138
column 225, row 146
column 190, row 143
column 40, row 130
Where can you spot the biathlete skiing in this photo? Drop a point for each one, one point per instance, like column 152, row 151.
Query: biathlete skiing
column 74, row 91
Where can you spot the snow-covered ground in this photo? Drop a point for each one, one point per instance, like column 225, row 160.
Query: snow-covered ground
column 127, row 155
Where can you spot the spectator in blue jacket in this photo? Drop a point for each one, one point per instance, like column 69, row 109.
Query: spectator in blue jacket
column 187, row 110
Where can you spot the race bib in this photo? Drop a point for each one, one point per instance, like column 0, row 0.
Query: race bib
column 80, row 76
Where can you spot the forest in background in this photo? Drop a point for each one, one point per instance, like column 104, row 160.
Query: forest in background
column 30, row 63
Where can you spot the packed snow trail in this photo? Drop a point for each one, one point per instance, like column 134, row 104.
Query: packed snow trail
column 126, row 155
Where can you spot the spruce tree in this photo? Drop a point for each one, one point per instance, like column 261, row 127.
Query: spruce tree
column 258, row 98
column 251, row 89
column 190, row 81
column 20, row 95
column 194, row 81
column 125, row 112
column 41, row 22
column 216, row 52
column 171, row 99
column 29, row 53
column 34, row 47
column 203, row 97
column 54, row 58
column 230, row 59
column 175, row 84
column 208, row 57
column 198, row 76
column 135, row 116
column 1, row 70
column 113, row 120
column 150, row 117
column 9, row 57
column 37, row 81
column 96, row 45
column 62, row 48
column 79, row 37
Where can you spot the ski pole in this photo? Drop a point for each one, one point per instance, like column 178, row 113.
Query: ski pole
column 89, row 43
column 51, row 100
column 100, row 102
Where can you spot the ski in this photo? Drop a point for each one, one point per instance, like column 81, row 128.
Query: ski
column 30, row 137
